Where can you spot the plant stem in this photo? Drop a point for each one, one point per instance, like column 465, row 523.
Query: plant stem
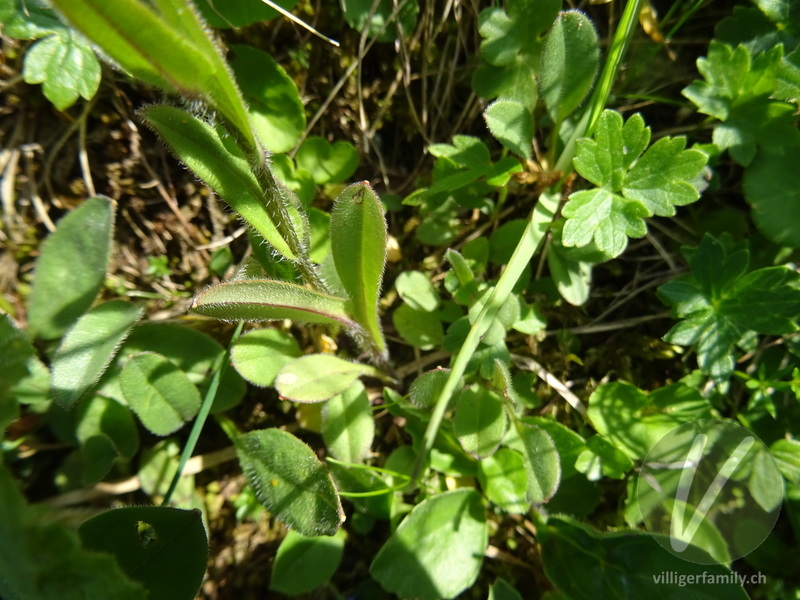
column 535, row 232
column 202, row 415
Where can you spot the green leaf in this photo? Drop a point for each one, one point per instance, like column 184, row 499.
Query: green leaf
column 584, row 563
column 512, row 124
column 327, row 163
column 573, row 279
column 420, row 329
column 426, row 388
column 165, row 46
column 29, row 20
column 260, row 355
column 504, row 480
column 164, row 548
column 417, row 291
column 634, row 421
column 67, row 67
column 290, row 481
column 772, row 189
column 512, row 46
column 193, row 352
column 468, row 161
column 269, row 300
column 719, row 303
column 15, row 353
column 787, row 457
column 273, row 100
column 737, row 90
column 89, row 347
column 358, row 245
column 502, row 590
column 569, row 63
column 347, row 424
column 602, row 458
column 541, row 460
column 376, row 18
column 104, row 416
column 240, row 13
column 46, row 561
column 437, row 550
column 632, row 185
column 318, row 377
column 98, row 454
column 480, row 421
column 302, row 564
column 217, row 163
column 71, row 268
column 159, row 393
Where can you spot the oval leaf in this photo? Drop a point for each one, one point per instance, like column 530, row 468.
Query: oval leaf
column 274, row 103
column 260, row 355
column 347, row 424
column 159, row 393
column 512, row 125
column 88, row 348
column 199, row 146
column 290, row 481
column 625, row 564
column 437, row 550
column 164, row 548
column 541, row 463
column 318, row 377
column 480, row 421
column 358, row 244
column 570, row 59
column 71, row 268
column 303, row 564
column 270, row 300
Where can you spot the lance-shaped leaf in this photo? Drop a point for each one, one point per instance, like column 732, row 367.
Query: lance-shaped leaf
column 318, row 377
column 290, row 481
column 219, row 164
column 270, row 300
column 165, row 46
column 358, row 244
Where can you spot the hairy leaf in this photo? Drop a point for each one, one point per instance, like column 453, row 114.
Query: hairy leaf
column 290, row 481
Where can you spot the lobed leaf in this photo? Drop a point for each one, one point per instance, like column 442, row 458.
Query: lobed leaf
column 631, row 186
